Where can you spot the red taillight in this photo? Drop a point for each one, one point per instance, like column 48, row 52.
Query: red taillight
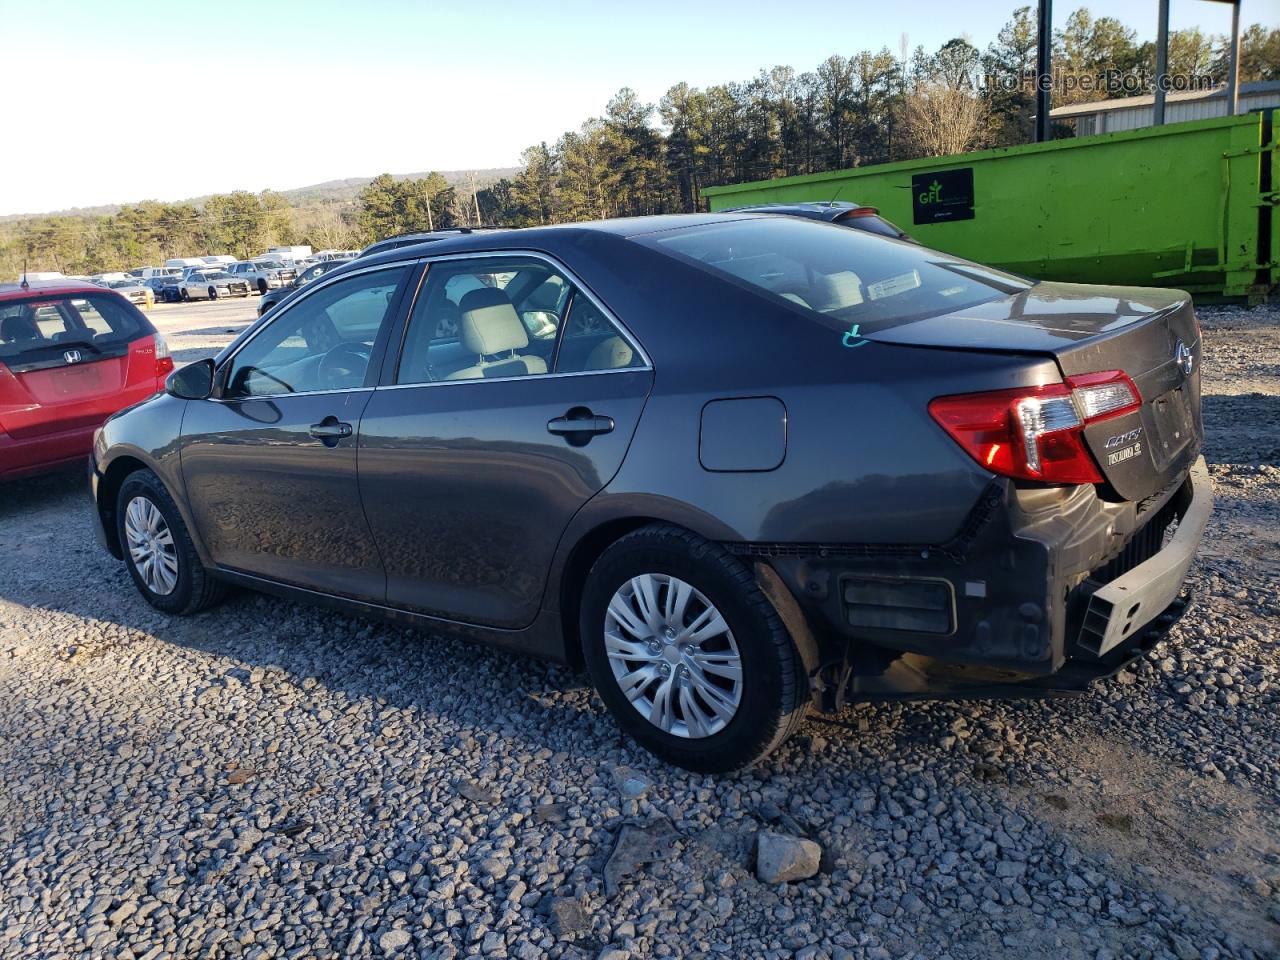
column 1036, row 433
column 164, row 362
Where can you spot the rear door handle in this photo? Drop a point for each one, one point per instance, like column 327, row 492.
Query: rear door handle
column 330, row 430
column 584, row 424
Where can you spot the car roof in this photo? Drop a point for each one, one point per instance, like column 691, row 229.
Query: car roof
column 550, row 238
column 16, row 291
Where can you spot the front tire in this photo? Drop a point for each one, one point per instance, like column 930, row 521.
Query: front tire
column 184, row 296
column 262, row 286
column 158, row 550
column 213, row 293
column 688, row 654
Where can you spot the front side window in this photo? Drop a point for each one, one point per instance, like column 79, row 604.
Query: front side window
column 837, row 276
column 503, row 317
column 323, row 342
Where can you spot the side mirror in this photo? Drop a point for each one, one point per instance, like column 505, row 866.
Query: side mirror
column 542, row 324
column 192, row 382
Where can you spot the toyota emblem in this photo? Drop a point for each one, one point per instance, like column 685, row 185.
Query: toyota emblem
column 71, row 356
column 1184, row 358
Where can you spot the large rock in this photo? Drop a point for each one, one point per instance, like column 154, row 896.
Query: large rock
column 781, row 859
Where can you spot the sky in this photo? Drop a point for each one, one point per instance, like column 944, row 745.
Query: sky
column 125, row 100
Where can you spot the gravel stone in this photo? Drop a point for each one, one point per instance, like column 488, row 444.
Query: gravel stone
column 782, row 859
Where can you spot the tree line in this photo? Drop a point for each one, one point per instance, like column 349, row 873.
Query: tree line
column 644, row 158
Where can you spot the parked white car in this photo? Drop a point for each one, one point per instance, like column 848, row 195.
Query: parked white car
column 133, row 290
column 263, row 275
column 210, row 285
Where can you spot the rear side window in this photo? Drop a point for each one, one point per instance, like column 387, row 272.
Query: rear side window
column 840, row 277
column 37, row 325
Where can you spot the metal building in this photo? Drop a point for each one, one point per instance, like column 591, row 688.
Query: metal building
column 1134, row 113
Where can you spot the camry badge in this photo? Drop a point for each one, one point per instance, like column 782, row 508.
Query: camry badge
column 71, row 356
column 1184, row 358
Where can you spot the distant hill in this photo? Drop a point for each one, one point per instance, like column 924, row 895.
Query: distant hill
column 331, row 191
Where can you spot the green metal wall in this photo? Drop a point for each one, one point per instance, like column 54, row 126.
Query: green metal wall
column 1175, row 206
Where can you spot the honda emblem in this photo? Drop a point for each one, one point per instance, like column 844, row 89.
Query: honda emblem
column 71, row 356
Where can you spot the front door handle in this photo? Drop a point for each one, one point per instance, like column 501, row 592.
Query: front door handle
column 579, row 425
column 330, row 430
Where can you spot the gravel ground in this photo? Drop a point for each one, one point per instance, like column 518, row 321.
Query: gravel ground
column 272, row 780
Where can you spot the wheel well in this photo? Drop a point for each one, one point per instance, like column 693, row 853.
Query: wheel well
column 584, row 555
column 108, row 489
column 591, row 546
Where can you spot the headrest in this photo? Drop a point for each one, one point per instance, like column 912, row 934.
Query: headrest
column 612, row 353
column 17, row 327
column 490, row 324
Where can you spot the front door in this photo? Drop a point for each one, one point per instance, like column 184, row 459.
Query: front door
column 514, row 403
column 270, row 460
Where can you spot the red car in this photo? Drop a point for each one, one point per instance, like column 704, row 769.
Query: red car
column 71, row 354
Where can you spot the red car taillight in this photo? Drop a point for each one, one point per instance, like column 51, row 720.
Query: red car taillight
column 1036, row 433
column 164, row 362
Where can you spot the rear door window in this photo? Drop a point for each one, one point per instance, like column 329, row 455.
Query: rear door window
column 506, row 317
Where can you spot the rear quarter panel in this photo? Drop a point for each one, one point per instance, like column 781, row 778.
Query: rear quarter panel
column 864, row 462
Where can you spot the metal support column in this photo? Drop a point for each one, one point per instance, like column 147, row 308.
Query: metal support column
column 1044, row 69
column 1233, row 67
column 1162, row 63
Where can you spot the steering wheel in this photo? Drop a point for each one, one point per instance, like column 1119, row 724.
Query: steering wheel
column 344, row 366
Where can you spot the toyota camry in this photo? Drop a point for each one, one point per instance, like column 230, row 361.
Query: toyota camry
column 737, row 467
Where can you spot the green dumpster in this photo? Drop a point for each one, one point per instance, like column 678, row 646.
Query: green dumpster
column 1187, row 205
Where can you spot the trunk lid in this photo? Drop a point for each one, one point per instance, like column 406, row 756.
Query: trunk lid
column 45, row 391
column 1152, row 335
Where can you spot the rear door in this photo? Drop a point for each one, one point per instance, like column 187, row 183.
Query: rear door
column 66, row 362
column 270, row 460
column 512, row 403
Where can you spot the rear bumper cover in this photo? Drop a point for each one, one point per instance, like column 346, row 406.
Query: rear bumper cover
column 48, row 451
column 1042, row 592
column 1118, row 609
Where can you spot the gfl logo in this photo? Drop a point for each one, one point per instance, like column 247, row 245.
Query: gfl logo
column 932, row 195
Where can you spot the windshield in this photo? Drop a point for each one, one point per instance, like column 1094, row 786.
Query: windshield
column 847, row 279
column 38, row 326
column 269, row 264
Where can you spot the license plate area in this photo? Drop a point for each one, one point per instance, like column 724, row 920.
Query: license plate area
column 1171, row 426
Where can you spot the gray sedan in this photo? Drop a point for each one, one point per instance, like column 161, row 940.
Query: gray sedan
column 736, row 466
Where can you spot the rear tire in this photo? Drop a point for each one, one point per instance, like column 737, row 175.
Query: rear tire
column 149, row 525
column 184, row 296
column 213, row 293
column 262, row 286
column 732, row 697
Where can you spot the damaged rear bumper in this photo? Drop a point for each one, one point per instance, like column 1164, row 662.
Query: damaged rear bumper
column 1042, row 593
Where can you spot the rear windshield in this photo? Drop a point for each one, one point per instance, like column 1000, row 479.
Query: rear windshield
column 849, row 280
column 91, row 323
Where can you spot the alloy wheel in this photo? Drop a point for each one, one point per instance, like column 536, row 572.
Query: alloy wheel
column 151, row 546
column 673, row 655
